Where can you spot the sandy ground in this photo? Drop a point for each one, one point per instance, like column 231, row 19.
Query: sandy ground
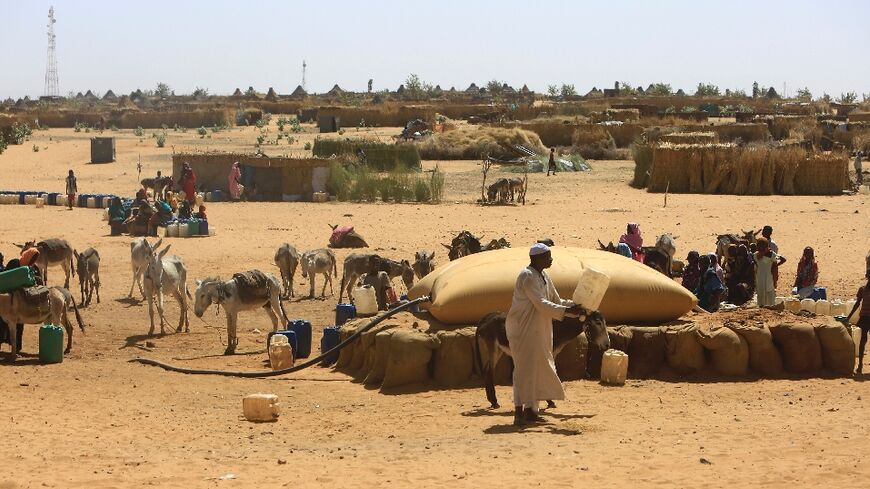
column 98, row 421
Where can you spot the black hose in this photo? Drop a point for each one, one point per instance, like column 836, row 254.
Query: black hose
column 229, row 373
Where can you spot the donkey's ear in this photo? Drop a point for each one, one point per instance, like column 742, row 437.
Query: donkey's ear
column 446, row 246
column 157, row 244
column 431, row 255
column 76, row 254
column 164, row 251
column 198, row 282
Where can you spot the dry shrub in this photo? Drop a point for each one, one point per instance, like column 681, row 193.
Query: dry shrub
column 624, row 135
column 642, row 153
column 623, row 115
column 469, row 143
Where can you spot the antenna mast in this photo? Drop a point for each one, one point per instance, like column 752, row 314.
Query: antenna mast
column 303, row 75
column 51, row 89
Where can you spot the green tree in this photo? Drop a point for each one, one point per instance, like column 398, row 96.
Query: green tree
column 825, row 97
column 804, row 94
column 663, row 89
column 163, row 90
column 370, row 85
column 495, row 87
column 415, row 88
column 847, row 98
column 625, row 88
column 707, row 90
column 567, row 90
column 755, row 91
column 552, row 90
column 200, row 92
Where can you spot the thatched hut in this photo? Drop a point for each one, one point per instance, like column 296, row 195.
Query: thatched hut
column 110, row 96
column 237, row 93
column 336, row 91
column 299, row 92
column 271, row 96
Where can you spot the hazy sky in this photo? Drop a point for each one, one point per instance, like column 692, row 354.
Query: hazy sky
column 222, row 45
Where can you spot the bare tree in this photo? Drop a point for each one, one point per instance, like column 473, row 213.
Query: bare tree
column 485, row 165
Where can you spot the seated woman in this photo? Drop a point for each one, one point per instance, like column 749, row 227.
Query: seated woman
column 634, row 240
column 117, row 216
column 137, row 223
column 692, row 272
column 201, row 214
column 807, row 274
column 710, row 289
column 184, row 210
column 160, row 218
column 741, row 278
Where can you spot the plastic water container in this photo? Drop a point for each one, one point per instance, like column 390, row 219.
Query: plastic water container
column 819, row 293
column 173, row 230
column 50, row 344
column 614, row 367
column 343, row 312
column 290, row 335
column 211, row 231
column 40, row 202
column 838, row 308
column 319, row 197
column 330, row 340
column 261, row 407
column 365, row 300
column 302, row 328
column 30, row 199
column 208, row 196
column 163, row 231
column 808, row 305
column 92, row 203
column 199, row 199
column 203, row 228
column 183, row 230
column 823, row 308
column 280, row 354
column 193, row 227
column 217, row 196
column 792, row 304
column 591, row 288
column 415, row 308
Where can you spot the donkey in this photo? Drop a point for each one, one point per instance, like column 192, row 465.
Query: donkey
column 499, row 191
column 491, row 334
column 244, row 292
column 516, row 187
column 287, row 259
column 166, row 275
column 359, row 264
column 88, row 268
column 52, row 252
column 319, row 261
column 423, row 264
column 463, row 244
column 140, row 255
column 52, row 309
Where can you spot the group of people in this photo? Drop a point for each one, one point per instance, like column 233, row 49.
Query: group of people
column 27, row 258
column 747, row 271
column 144, row 216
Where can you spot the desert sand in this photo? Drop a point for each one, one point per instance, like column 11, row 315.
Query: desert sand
column 98, row 421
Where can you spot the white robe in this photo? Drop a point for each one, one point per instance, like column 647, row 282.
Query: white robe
column 529, row 328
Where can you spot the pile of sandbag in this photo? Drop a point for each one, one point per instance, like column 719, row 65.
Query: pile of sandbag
column 410, row 351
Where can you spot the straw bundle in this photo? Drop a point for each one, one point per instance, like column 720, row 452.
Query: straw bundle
column 822, row 174
column 690, row 138
column 625, row 134
column 152, row 120
column 642, row 153
column 588, row 134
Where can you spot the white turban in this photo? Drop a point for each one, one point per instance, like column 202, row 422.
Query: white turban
column 538, row 249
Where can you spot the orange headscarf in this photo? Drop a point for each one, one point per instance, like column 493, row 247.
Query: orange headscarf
column 29, row 256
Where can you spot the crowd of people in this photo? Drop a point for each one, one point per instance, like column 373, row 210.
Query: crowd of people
column 146, row 214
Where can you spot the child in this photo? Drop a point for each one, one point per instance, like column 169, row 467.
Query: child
column 71, row 189
column 201, row 214
column 863, row 301
column 766, row 260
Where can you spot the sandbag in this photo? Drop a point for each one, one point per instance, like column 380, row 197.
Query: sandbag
column 620, row 339
column 346, row 355
column 453, row 361
column 467, row 289
column 838, row 349
column 683, row 351
column 729, row 352
column 764, row 358
column 367, row 347
column 800, row 349
column 408, row 360
column 381, row 351
column 571, row 361
column 646, row 352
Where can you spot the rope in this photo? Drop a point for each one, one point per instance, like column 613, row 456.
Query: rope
column 229, row 373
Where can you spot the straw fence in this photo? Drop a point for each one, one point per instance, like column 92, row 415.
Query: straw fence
column 748, row 133
column 379, row 156
column 380, row 116
column 731, row 169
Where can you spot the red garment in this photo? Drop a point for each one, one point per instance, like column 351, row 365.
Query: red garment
column 28, row 256
column 338, row 234
column 190, row 187
column 634, row 240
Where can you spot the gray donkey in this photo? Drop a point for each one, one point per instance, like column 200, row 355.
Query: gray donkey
column 319, row 261
column 88, row 268
column 287, row 259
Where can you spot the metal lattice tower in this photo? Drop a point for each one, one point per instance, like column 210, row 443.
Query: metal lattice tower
column 51, row 89
column 303, row 74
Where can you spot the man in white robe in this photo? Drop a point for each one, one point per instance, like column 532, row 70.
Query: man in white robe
column 529, row 328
